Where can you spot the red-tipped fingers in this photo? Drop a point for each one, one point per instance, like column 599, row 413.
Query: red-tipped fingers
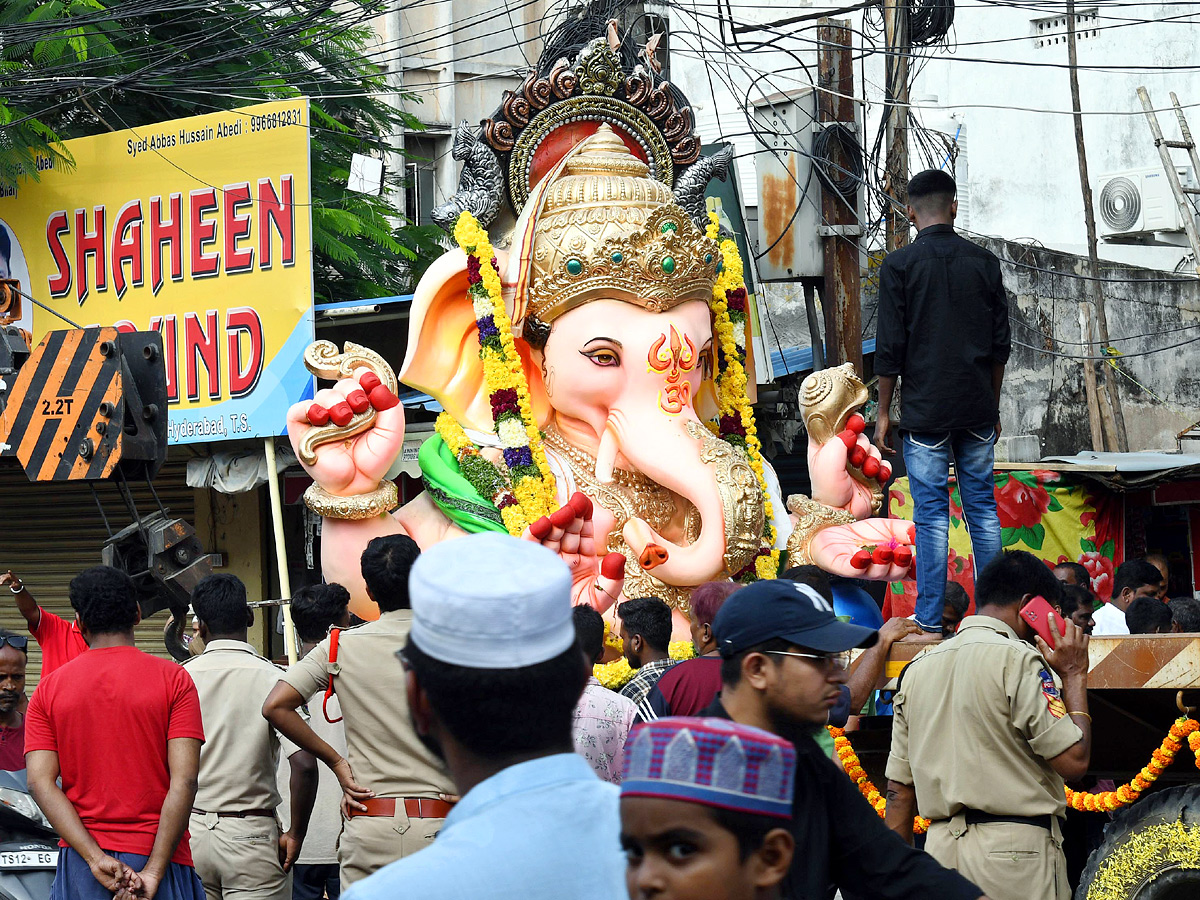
column 857, row 455
column 903, row 557
column 912, row 533
column 563, row 517
column 358, row 401
column 849, row 438
column 540, row 528
column 856, row 423
column 870, row 467
column 369, row 381
column 382, row 398
column 341, row 413
column 885, row 472
column 861, row 559
column 882, row 555
column 318, row 415
column 581, row 504
column 612, row 566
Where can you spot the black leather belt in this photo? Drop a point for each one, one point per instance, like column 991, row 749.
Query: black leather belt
column 977, row 817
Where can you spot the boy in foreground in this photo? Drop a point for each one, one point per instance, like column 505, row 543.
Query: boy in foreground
column 705, row 809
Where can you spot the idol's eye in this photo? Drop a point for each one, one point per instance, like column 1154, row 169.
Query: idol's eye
column 603, row 356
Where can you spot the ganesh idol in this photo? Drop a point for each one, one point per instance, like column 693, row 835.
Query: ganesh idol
column 593, row 380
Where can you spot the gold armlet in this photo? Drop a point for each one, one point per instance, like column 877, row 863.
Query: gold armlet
column 361, row 506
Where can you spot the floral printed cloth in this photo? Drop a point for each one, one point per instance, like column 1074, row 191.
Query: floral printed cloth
column 602, row 722
column 1054, row 516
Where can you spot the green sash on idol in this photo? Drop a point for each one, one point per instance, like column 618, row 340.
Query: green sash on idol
column 453, row 494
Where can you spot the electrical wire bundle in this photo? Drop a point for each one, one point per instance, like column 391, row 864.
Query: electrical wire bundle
column 834, row 142
column 930, row 21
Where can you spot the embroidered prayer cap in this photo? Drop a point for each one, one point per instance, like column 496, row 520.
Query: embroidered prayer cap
column 491, row 601
column 713, row 762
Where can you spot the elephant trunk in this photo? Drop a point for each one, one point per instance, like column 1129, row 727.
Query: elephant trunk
column 671, row 455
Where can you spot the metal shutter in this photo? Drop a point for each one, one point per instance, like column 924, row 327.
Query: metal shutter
column 49, row 532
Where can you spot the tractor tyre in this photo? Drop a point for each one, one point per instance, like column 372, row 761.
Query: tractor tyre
column 1151, row 851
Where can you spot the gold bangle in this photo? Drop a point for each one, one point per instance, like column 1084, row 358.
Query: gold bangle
column 361, row 506
column 1077, row 712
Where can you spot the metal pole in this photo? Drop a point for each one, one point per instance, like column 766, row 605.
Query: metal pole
column 895, row 24
column 1111, row 415
column 840, row 295
column 285, row 585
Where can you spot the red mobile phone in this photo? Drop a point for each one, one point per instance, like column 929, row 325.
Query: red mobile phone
column 1038, row 612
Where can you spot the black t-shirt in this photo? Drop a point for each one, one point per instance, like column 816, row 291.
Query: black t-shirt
column 841, row 843
column 943, row 324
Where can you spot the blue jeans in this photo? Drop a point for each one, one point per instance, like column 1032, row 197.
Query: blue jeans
column 927, row 458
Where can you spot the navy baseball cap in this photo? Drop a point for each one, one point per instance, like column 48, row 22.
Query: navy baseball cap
column 784, row 609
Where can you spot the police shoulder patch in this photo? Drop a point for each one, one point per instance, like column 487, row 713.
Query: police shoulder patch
column 1054, row 701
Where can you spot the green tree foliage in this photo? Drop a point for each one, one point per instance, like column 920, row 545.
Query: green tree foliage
column 70, row 68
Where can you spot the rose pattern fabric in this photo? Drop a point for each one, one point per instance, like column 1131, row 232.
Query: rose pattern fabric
column 1021, row 505
column 1051, row 516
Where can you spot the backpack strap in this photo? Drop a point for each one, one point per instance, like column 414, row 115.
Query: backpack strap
column 333, row 667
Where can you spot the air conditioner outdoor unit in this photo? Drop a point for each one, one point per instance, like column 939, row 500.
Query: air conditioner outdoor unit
column 1139, row 201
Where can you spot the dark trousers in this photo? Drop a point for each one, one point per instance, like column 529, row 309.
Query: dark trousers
column 74, row 879
column 312, row 882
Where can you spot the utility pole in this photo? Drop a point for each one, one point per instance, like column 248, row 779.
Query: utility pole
column 896, row 35
column 1112, row 416
column 840, row 298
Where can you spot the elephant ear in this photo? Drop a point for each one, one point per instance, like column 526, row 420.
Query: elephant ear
column 443, row 347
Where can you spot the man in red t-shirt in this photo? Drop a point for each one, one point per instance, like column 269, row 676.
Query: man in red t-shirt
column 60, row 641
column 688, row 687
column 13, row 658
column 123, row 729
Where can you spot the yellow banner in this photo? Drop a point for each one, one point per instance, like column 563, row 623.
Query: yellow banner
column 198, row 228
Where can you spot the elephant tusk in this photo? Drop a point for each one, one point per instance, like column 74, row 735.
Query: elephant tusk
column 606, row 455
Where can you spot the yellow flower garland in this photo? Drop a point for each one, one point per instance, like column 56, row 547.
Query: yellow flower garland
column 732, row 397
column 616, row 674
column 536, row 497
column 1183, row 730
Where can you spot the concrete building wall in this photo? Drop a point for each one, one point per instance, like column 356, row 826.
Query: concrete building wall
column 1044, row 393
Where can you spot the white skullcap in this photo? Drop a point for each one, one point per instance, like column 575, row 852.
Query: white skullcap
column 491, row 601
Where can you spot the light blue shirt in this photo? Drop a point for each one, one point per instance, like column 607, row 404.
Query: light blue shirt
column 546, row 829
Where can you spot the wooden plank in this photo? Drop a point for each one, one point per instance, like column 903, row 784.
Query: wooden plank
column 1142, row 661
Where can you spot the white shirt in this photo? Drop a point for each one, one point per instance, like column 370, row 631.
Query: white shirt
column 1109, row 620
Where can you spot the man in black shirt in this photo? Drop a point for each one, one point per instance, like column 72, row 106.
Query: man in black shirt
column 943, row 328
column 782, row 668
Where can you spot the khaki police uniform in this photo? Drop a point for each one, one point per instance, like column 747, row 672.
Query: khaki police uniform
column 976, row 720
column 234, row 830
column 382, row 748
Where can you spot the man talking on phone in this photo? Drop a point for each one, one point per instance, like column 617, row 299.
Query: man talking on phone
column 984, row 737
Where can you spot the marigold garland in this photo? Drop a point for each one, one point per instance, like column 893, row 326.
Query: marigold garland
column 1183, row 730
column 849, row 759
column 523, row 489
column 616, row 674
column 736, row 422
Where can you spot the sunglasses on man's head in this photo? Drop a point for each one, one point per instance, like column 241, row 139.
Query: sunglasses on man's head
column 16, row 641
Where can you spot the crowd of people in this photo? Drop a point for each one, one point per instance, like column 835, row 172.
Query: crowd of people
column 460, row 746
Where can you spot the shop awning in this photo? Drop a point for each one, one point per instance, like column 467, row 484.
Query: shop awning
column 792, row 360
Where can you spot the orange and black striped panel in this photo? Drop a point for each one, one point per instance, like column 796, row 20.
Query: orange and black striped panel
column 54, row 422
